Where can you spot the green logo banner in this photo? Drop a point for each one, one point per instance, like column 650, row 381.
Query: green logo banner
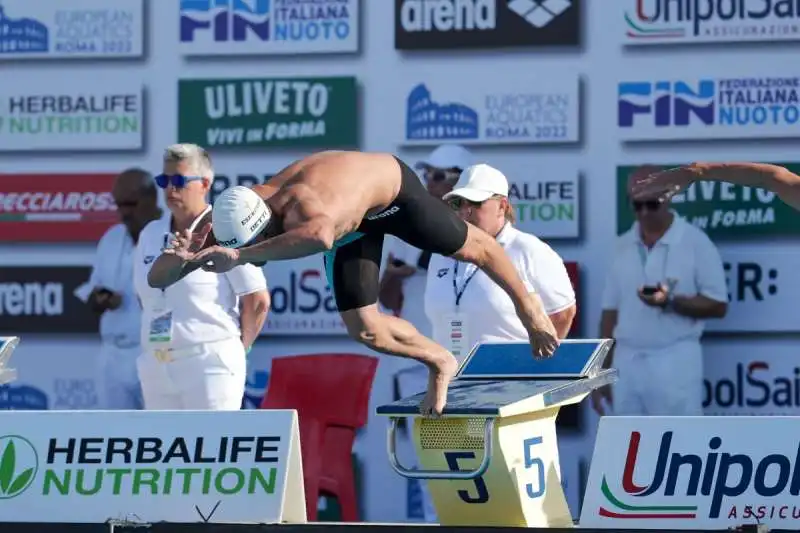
column 722, row 210
column 269, row 112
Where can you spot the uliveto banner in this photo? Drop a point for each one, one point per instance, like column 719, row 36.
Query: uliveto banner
column 77, row 113
column 302, row 300
column 694, row 473
column 722, row 210
column 264, row 27
column 667, row 22
column 38, row 299
column 751, row 377
column 91, row 466
column 277, row 112
column 56, row 207
column 527, row 109
column 74, row 29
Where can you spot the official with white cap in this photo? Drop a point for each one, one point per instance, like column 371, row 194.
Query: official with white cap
column 196, row 331
column 464, row 306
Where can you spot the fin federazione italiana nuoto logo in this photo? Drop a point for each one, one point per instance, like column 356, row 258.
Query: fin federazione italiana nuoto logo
column 19, row 464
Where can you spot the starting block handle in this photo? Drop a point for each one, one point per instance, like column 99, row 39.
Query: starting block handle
column 488, row 434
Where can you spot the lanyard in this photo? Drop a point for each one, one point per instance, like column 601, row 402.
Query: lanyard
column 459, row 293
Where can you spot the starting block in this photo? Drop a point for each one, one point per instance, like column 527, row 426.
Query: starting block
column 7, row 347
column 492, row 457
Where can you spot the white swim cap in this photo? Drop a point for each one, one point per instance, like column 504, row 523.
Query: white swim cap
column 238, row 216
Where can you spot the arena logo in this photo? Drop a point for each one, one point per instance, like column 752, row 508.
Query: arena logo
column 716, row 479
column 690, row 21
column 212, row 27
column 40, row 299
column 383, row 214
column 753, row 389
column 536, row 116
column 721, row 108
column 307, row 112
column 432, row 24
column 83, row 29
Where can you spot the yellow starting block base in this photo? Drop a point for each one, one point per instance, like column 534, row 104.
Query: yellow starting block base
column 492, row 458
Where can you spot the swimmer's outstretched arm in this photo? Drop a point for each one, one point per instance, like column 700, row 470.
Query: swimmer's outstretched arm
column 314, row 236
column 780, row 180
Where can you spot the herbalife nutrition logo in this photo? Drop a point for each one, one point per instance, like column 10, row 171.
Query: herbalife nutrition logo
column 539, row 13
column 18, row 465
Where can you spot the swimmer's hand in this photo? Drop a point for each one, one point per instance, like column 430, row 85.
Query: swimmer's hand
column 186, row 244
column 541, row 331
column 665, row 184
column 217, row 259
column 543, row 343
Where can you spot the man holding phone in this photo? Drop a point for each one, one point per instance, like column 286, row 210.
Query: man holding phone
column 109, row 291
column 666, row 278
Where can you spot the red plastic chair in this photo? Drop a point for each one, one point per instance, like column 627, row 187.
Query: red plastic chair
column 331, row 395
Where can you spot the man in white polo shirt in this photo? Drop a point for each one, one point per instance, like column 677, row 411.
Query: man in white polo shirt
column 666, row 278
column 465, row 307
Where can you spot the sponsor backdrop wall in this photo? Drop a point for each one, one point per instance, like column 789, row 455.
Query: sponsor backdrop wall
column 604, row 94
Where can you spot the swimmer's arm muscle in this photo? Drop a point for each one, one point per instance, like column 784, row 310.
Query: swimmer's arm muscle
column 779, row 180
column 308, row 230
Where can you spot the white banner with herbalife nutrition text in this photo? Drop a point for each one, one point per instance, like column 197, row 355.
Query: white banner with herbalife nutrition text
column 173, row 466
column 694, row 473
column 78, row 113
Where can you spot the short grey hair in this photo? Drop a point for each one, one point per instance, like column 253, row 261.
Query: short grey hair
column 196, row 157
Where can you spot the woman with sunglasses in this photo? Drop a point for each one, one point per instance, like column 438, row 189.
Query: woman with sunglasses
column 196, row 326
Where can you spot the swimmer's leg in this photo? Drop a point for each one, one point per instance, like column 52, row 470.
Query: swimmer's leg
column 395, row 336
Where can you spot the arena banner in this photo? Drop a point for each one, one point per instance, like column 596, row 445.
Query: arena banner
column 693, row 473
column 302, row 302
column 723, row 210
column 56, row 207
column 156, row 466
column 733, row 105
column 264, row 27
column 77, row 113
column 448, row 24
column 751, row 377
column 40, row 299
column 523, row 109
column 78, row 29
column 254, row 113
column 233, row 179
column 655, row 23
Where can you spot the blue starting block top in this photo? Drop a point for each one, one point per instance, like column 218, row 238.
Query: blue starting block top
column 513, row 360
column 7, row 345
column 497, row 375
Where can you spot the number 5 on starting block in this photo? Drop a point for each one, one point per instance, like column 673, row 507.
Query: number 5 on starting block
column 492, row 458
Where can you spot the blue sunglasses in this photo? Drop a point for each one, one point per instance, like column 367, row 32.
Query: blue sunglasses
column 177, row 180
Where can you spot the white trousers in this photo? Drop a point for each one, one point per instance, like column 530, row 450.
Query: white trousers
column 208, row 376
column 662, row 382
column 119, row 377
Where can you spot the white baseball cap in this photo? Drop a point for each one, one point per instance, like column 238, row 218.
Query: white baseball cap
column 479, row 183
column 448, row 156
column 238, row 216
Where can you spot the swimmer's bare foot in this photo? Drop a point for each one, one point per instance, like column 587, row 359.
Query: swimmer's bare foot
column 439, row 377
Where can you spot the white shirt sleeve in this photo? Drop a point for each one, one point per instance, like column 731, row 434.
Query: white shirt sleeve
column 710, row 273
column 246, row 279
column 84, row 290
column 546, row 275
